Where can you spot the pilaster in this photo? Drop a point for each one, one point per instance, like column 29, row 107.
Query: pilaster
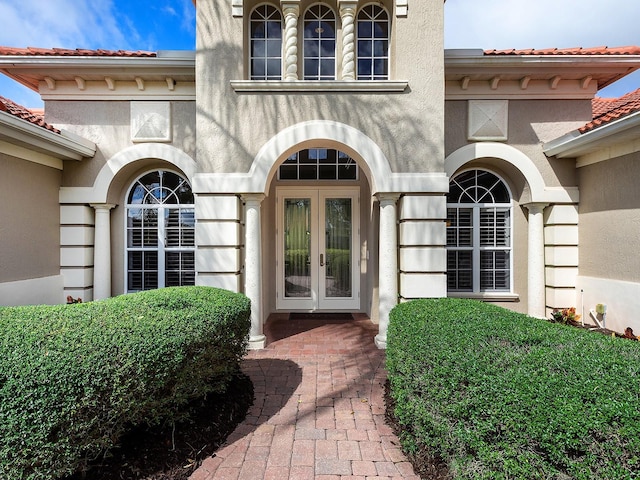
column 77, row 233
column 561, row 256
column 422, row 246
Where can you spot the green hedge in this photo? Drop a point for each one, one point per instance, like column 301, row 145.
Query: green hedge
column 73, row 378
column 499, row 395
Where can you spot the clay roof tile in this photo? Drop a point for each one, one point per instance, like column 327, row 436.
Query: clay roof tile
column 626, row 50
column 23, row 113
column 78, row 52
column 607, row 110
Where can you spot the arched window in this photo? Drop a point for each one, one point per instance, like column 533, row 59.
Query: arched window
column 160, row 232
column 373, row 43
column 266, row 43
column 319, row 43
column 478, row 233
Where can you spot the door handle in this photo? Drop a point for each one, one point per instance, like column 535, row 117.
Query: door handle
column 321, row 260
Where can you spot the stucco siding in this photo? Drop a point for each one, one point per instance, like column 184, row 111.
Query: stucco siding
column 610, row 219
column 530, row 124
column 108, row 124
column 233, row 126
column 30, row 220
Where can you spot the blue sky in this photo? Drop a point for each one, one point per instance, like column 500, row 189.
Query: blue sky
column 170, row 25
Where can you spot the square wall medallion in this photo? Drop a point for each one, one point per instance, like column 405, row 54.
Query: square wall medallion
column 488, row 120
column 150, row 121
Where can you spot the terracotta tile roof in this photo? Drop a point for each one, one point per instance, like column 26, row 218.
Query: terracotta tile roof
column 19, row 111
column 606, row 110
column 78, row 52
column 628, row 50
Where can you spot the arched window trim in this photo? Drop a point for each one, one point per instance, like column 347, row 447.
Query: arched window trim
column 373, row 57
column 458, row 229
column 159, row 235
column 305, row 54
column 266, row 57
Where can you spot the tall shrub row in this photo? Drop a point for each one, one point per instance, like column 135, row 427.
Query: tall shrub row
column 499, row 395
column 73, row 378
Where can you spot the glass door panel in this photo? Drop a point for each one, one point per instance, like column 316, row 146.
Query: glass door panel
column 339, row 244
column 297, row 247
column 338, row 254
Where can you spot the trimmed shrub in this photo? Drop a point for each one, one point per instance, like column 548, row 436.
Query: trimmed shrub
column 73, row 378
column 500, row 395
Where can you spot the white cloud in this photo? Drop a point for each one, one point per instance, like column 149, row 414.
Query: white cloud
column 188, row 16
column 169, row 10
column 62, row 23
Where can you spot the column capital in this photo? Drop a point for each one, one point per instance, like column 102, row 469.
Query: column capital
column 347, row 5
column 535, row 207
column 103, row 206
column 388, row 197
column 255, row 198
column 290, row 7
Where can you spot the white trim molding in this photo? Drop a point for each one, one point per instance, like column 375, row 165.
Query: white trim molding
column 98, row 193
column 63, row 145
column 402, row 8
column 236, row 8
column 540, row 193
column 322, row 86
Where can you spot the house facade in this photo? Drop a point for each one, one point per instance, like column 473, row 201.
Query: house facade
column 321, row 157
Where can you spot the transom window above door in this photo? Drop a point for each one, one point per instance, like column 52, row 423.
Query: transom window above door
column 160, row 232
column 318, row 164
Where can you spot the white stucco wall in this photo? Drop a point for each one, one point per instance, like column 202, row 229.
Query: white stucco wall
column 233, row 126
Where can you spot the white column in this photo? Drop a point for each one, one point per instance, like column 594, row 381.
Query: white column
column 102, row 251
column 536, row 285
column 291, row 11
column 253, row 268
column 388, row 264
column 347, row 17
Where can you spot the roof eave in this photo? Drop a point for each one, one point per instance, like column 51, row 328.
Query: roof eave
column 168, row 62
column 476, row 58
column 64, row 145
column 574, row 144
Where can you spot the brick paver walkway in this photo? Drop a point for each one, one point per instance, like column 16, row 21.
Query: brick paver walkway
column 318, row 410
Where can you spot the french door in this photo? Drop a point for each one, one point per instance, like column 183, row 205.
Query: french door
column 318, row 263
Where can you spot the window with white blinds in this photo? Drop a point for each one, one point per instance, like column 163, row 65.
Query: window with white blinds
column 479, row 236
column 160, row 232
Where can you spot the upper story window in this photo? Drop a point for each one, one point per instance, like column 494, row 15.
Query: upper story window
column 479, row 234
column 266, row 43
column 373, row 43
column 319, row 43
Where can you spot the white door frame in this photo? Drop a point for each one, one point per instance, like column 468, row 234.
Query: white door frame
column 318, row 300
